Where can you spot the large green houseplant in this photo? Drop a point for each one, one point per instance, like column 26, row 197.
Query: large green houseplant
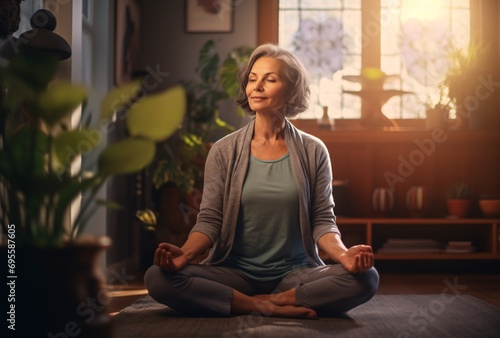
column 38, row 183
column 178, row 173
column 182, row 158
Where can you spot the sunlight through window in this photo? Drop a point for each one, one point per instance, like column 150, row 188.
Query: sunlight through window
column 416, row 37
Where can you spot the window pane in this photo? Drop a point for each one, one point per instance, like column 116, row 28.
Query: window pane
column 289, row 4
column 319, row 4
column 422, row 33
column 326, row 36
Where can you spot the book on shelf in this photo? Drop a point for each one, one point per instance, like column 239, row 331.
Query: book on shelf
column 409, row 250
column 403, row 242
column 404, row 245
column 459, row 247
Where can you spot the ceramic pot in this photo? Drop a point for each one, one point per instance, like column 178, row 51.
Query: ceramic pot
column 59, row 291
column 490, row 207
column 458, row 207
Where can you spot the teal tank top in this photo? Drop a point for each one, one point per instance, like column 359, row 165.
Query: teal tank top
column 268, row 242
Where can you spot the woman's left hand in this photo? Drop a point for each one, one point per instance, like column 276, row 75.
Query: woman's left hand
column 357, row 258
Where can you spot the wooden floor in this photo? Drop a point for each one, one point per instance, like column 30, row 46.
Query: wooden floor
column 482, row 286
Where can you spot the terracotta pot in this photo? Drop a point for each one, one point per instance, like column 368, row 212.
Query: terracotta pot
column 458, row 207
column 59, row 292
column 490, row 207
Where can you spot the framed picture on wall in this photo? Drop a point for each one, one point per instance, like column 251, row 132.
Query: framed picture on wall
column 126, row 40
column 209, row 16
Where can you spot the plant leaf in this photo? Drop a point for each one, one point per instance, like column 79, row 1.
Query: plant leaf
column 229, row 70
column 125, row 157
column 21, row 66
column 109, row 204
column 146, row 216
column 70, row 191
column 59, row 100
column 208, row 62
column 26, row 151
column 120, row 99
column 72, row 143
column 158, row 116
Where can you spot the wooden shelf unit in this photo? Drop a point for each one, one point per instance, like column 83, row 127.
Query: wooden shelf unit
column 400, row 159
column 407, row 157
column 483, row 233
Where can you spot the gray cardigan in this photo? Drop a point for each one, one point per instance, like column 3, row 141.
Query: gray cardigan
column 225, row 171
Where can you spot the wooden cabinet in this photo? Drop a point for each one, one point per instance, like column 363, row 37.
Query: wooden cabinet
column 483, row 234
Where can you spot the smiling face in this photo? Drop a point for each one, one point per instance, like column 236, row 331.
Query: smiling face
column 266, row 88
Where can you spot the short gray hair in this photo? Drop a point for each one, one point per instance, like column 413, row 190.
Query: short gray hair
column 295, row 76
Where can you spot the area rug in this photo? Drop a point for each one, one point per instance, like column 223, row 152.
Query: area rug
column 401, row 316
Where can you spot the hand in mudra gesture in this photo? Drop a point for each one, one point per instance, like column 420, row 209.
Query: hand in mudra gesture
column 357, row 258
column 170, row 257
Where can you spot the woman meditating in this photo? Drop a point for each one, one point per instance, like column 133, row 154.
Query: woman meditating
column 266, row 208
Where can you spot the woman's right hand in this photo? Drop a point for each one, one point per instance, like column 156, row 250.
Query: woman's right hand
column 170, row 257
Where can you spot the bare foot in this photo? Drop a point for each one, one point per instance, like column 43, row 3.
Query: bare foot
column 243, row 304
column 294, row 312
column 268, row 308
column 282, row 298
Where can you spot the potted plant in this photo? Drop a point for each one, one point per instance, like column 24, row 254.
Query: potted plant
column 178, row 173
column 459, row 200
column 462, row 80
column 55, row 266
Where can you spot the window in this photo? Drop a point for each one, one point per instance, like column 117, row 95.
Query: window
column 407, row 38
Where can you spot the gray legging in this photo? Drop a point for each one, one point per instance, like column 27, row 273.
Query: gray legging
column 208, row 289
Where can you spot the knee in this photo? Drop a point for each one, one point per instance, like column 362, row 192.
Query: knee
column 152, row 277
column 368, row 282
column 156, row 282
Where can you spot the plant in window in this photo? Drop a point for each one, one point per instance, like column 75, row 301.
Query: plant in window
column 463, row 79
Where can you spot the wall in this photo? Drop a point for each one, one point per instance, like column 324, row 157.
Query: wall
column 166, row 46
column 165, row 43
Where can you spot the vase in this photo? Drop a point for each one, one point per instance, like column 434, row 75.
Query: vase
column 59, row 291
column 382, row 201
column 325, row 122
column 418, row 201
